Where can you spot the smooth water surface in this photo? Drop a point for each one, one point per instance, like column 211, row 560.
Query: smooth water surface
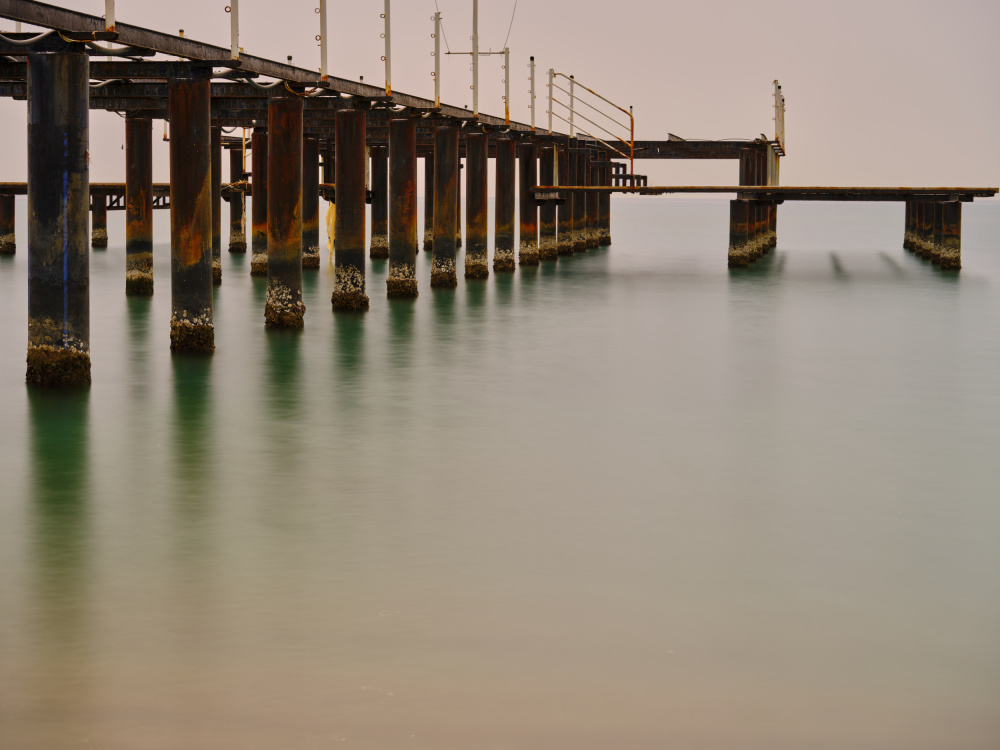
column 630, row 499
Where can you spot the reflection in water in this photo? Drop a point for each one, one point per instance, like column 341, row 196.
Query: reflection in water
column 893, row 264
column 838, row 268
column 193, row 454
column 138, row 345
column 349, row 347
column 283, row 373
column 401, row 313
column 768, row 268
column 503, row 283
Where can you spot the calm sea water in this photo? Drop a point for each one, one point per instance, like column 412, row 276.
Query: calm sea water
column 626, row 500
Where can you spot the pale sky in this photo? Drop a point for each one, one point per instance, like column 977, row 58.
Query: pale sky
column 883, row 92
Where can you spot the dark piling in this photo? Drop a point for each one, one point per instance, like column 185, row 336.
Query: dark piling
column 349, row 291
column 402, row 278
column 950, row 255
column 564, row 211
column 237, row 204
column 476, row 184
column 580, row 201
column 258, row 206
column 739, row 218
column 527, row 251
column 379, row 247
column 138, row 206
column 428, row 203
column 503, row 247
column 445, row 205
column 547, row 245
column 7, row 243
column 310, row 203
column 216, row 205
column 99, row 222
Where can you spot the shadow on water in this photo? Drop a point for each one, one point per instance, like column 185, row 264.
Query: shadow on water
column 192, row 426
column 60, row 459
column 893, row 264
column 838, row 268
column 767, row 269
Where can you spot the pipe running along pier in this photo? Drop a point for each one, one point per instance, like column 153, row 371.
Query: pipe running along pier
column 313, row 135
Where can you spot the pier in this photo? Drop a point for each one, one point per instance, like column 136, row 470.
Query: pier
column 367, row 140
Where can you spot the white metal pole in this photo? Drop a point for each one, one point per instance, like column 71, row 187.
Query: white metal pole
column 109, row 15
column 572, row 106
column 551, row 75
column 388, row 52
column 506, row 85
column 322, row 41
column 531, row 65
column 475, row 58
column 437, row 59
column 234, row 29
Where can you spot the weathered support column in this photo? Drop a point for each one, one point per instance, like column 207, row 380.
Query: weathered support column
column 604, row 205
column 380, row 202
column 580, row 202
column 330, row 178
column 99, row 221
column 950, row 256
column 402, row 279
column 503, row 214
column 458, row 204
column 258, row 206
column 908, row 225
column 191, row 324
column 428, row 203
column 284, row 307
column 138, row 205
column 58, row 199
column 918, row 228
column 310, row 203
column 476, row 188
column 445, row 205
column 349, row 291
column 592, row 235
column 527, row 253
column 927, row 230
column 7, row 244
column 237, row 205
column 739, row 218
column 937, row 241
column 564, row 211
column 547, row 244
column 216, row 204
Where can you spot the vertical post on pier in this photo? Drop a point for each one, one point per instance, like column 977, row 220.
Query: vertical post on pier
column 99, row 221
column 908, row 225
column 564, row 211
column 58, row 199
column 917, row 240
column 739, row 218
column 191, row 324
column 258, row 206
column 937, row 241
column 138, row 205
column 927, row 230
column 7, row 243
column 950, row 256
column 310, row 203
column 527, row 254
column 476, row 186
column 604, row 204
column 547, row 213
column 428, row 203
column 458, row 204
column 402, row 279
column 284, row 308
column 580, row 202
column 216, row 204
column 349, row 291
column 237, row 205
column 380, row 202
column 445, row 203
column 503, row 235
column 592, row 236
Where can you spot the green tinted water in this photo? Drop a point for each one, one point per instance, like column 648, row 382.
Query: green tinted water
column 630, row 499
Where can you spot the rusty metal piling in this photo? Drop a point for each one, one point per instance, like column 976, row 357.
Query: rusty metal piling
column 739, row 219
column 445, row 205
column 591, row 205
column 284, row 307
column 428, row 204
column 402, row 278
column 476, row 188
column 937, row 238
column 58, row 199
column 604, row 205
column 99, row 222
column 191, row 325
column 503, row 215
column 7, row 243
column 547, row 244
column 310, row 203
column 138, row 206
column 217, row 205
column 580, row 201
column 237, row 204
column 349, row 292
column 950, row 254
column 564, row 211
column 258, row 204
column 527, row 253
column 379, row 247
column 908, row 215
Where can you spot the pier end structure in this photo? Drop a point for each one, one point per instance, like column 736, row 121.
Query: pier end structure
column 192, row 328
column 283, row 307
column 349, row 290
column 402, row 278
column 445, row 207
column 58, row 201
column 476, row 206
column 503, row 215
column 258, row 204
column 138, row 206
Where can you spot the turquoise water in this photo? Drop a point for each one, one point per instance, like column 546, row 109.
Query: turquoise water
column 630, row 499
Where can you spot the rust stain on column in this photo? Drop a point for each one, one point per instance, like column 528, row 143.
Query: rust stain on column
column 237, row 204
column 349, row 291
column 445, row 207
column 527, row 251
column 476, row 185
column 99, row 222
column 402, row 279
column 258, row 203
column 138, row 205
column 547, row 213
column 503, row 248
column 310, row 203
column 428, row 204
column 739, row 251
column 380, row 202
column 950, row 255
